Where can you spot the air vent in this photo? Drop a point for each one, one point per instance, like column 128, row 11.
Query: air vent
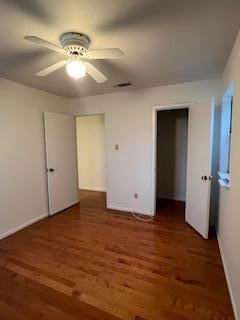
column 121, row 85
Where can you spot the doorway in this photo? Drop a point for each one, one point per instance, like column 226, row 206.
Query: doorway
column 91, row 157
column 171, row 160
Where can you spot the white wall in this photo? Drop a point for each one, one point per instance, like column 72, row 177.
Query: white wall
column 229, row 213
column 91, row 152
column 128, row 122
column 172, row 134
column 23, row 185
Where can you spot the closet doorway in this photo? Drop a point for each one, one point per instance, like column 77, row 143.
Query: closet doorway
column 171, row 160
column 184, row 176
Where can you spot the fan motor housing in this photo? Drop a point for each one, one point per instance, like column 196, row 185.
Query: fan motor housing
column 75, row 43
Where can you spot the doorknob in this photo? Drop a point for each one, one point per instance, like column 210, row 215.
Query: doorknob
column 51, row 170
column 205, row 178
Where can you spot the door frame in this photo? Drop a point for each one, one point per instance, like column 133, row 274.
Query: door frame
column 105, row 140
column 155, row 109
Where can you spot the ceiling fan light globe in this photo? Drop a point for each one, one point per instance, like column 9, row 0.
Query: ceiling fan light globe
column 76, row 69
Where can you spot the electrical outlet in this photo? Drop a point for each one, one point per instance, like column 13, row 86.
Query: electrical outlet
column 135, row 195
column 116, row 147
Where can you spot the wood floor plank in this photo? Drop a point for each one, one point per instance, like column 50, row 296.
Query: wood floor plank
column 91, row 263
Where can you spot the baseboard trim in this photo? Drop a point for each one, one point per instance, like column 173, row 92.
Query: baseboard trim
column 146, row 213
column 227, row 278
column 27, row 224
column 93, row 189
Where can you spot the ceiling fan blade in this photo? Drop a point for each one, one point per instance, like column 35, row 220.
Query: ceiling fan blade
column 113, row 53
column 52, row 68
column 95, row 73
column 43, row 43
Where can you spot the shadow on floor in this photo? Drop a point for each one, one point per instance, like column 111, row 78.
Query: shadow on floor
column 170, row 207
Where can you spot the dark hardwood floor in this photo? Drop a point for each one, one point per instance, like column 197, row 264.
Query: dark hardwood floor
column 91, row 263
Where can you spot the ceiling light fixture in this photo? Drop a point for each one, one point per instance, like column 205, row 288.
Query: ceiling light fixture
column 75, row 47
column 76, row 69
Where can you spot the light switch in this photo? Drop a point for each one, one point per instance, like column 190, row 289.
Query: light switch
column 116, row 147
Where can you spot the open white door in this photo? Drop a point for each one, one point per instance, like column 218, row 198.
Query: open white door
column 200, row 135
column 61, row 153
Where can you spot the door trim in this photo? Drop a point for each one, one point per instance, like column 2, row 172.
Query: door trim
column 155, row 109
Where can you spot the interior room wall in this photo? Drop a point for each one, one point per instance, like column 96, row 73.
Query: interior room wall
column 172, row 129
column 91, row 152
column 23, row 187
column 229, row 211
column 129, row 124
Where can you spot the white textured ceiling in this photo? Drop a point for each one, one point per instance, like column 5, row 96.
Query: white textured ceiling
column 165, row 41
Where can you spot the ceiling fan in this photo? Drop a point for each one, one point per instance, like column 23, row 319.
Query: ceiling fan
column 75, row 48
